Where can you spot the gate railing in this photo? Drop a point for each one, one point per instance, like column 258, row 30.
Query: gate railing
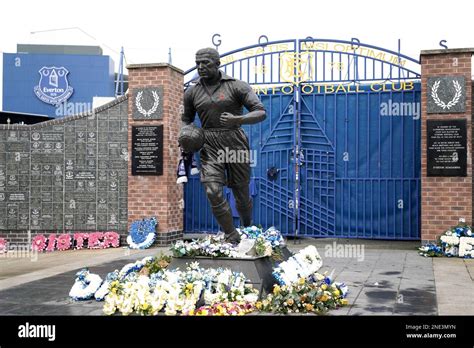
column 292, row 68
column 309, row 60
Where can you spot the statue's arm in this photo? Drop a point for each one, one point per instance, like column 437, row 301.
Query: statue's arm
column 251, row 102
column 253, row 117
column 255, row 107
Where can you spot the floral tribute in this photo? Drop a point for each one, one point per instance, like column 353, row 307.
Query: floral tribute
column 306, row 262
column 315, row 294
column 85, row 286
column 89, row 285
column 137, row 288
column 94, row 240
column 3, row 245
column 254, row 240
column 301, row 288
column 458, row 241
column 224, row 309
column 211, row 246
column 148, row 287
column 267, row 243
column 142, row 233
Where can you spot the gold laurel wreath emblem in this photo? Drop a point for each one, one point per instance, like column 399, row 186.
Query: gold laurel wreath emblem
column 138, row 103
column 452, row 102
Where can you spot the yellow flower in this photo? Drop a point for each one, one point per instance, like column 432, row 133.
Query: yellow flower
column 191, row 312
column 276, row 289
column 309, row 307
column 324, row 298
column 344, row 301
column 324, row 286
column 189, row 286
column 336, row 292
column 258, row 305
column 145, row 306
column 301, row 281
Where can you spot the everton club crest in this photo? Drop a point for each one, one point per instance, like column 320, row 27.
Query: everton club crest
column 53, row 87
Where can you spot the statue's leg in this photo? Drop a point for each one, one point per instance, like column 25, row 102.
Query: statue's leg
column 243, row 203
column 221, row 210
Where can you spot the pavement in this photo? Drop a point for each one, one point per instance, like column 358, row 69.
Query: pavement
column 384, row 278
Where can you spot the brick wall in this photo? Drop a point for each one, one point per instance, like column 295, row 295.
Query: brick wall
column 158, row 196
column 445, row 199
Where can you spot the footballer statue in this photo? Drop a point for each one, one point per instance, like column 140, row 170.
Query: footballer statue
column 218, row 99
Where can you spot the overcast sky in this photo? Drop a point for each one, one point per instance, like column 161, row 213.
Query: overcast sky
column 146, row 28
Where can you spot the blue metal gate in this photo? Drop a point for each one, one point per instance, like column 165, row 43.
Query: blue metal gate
column 341, row 138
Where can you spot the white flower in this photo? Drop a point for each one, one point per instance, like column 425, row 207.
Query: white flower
column 194, row 265
column 252, row 298
column 450, row 240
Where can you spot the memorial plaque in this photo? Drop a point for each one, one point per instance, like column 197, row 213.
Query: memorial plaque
column 147, row 150
column 66, row 168
column 17, row 197
column 447, row 148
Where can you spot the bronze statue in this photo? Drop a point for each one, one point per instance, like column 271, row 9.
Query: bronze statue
column 219, row 99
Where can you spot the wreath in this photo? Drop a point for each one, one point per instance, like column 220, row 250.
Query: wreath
column 138, row 103
column 85, row 286
column 142, row 233
column 452, row 102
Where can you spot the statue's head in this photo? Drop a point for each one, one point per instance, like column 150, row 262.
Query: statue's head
column 207, row 63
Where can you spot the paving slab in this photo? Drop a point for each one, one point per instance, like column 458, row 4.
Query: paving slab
column 390, row 279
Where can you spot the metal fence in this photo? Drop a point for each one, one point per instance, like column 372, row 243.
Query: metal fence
column 341, row 140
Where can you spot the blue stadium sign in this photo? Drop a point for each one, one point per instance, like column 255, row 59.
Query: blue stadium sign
column 53, row 87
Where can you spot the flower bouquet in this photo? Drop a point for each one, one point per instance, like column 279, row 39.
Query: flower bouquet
column 306, row 262
column 211, row 246
column 267, row 243
column 137, row 290
column 457, row 241
column 224, row 309
column 431, row 250
column 315, row 294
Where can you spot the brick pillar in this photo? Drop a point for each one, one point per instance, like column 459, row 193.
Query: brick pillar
column 445, row 199
column 152, row 195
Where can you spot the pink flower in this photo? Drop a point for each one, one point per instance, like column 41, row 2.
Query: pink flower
column 95, row 240
column 63, row 242
column 3, row 245
column 111, row 239
column 51, row 242
column 38, row 243
column 80, row 238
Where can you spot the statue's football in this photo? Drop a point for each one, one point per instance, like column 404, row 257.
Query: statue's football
column 191, row 138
